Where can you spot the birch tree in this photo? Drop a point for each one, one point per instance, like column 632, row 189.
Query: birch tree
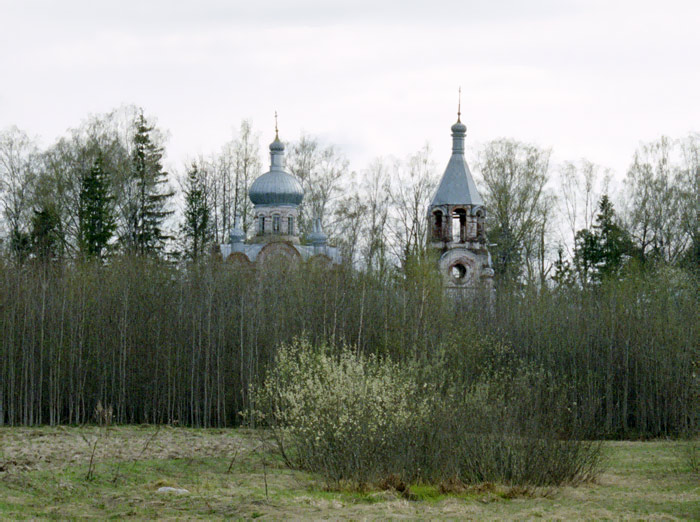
column 18, row 173
column 514, row 176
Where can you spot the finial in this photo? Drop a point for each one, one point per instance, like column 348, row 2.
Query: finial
column 277, row 136
column 459, row 106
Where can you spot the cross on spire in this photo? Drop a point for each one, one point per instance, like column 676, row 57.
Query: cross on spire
column 276, row 132
column 459, row 106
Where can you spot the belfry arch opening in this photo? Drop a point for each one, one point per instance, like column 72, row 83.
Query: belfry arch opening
column 459, row 225
column 479, row 217
column 437, row 224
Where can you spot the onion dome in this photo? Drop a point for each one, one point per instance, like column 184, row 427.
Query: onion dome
column 277, row 145
column 237, row 235
column 276, row 187
column 459, row 128
column 318, row 237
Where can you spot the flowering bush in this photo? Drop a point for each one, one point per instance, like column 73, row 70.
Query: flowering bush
column 359, row 419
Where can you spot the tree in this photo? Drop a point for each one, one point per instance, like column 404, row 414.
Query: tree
column 656, row 201
column 66, row 165
column 689, row 178
column 375, row 215
column 564, row 275
column 600, row 253
column 319, row 169
column 247, row 167
column 413, row 185
column 196, row 225
column 235, row 167
column 514, row 176
column 581, row 185
column 147, row 194
column 349, row 216
column 536, row 249
column 18, row 173
column 46, row 235
column 95, row 212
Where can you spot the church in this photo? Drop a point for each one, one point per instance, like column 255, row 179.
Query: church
column 276, row 196
column 456, row 218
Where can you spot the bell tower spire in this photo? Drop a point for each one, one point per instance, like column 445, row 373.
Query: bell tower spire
column 457, row 220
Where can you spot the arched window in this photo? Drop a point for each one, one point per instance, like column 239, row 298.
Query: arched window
column 290, row 225
column 479, row 216
column 437, row 224
column 261, row 224
column 276, row 224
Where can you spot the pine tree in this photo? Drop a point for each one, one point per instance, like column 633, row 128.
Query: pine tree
column 149, row 194
column 47, row 233
column 600, row 253
column 96, row 222
column 563, row 275
column 196, row 227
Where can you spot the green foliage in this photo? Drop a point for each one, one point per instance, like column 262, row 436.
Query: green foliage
column 148, row 194
column 46, row 234
column 20, row 245
column 196, row 226
column 564, row 275
column 96, row 222
column 601, row 253
column 162, row 344
column 359, row 419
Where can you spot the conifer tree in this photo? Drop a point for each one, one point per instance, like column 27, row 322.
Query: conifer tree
column 600, row 253
column 47, row 234
column 148, row 194
column 96, row 223
column 563, row 275
column 196, row 227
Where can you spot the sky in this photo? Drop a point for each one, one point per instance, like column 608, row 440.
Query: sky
column 588, row 79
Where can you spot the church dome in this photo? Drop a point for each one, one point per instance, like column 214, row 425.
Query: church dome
column 459, row 128
column 276, row 187
column 277, row 145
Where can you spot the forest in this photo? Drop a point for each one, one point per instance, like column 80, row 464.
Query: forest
column 111, row 291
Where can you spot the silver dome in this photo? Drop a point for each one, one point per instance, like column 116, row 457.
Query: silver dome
column 276, row 188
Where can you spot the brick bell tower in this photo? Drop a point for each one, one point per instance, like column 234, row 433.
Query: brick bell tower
column 456, row 218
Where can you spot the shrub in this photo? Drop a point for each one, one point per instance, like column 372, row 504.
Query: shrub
column 357, row 420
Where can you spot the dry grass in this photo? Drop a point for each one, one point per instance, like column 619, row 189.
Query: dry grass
column 43, row 470
column 25, row 449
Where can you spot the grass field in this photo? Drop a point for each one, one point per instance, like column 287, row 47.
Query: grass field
column 44, row 474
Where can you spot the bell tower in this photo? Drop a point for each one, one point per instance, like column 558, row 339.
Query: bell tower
column 456, row 218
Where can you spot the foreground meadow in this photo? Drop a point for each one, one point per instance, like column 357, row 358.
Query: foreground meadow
column 70, row 472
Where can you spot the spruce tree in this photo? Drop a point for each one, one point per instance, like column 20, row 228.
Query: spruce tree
column 47, row 233
column 196, row 227
column 149, row 194
column 600, row 253
column 96, row 222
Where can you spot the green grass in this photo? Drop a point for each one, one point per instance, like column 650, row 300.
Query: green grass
column 43, row 475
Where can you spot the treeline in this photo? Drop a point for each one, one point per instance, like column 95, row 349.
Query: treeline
column 164, row 345
column 109, row 294
column 102, row 191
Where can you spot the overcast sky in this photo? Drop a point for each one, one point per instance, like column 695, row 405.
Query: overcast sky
column 588, row 79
